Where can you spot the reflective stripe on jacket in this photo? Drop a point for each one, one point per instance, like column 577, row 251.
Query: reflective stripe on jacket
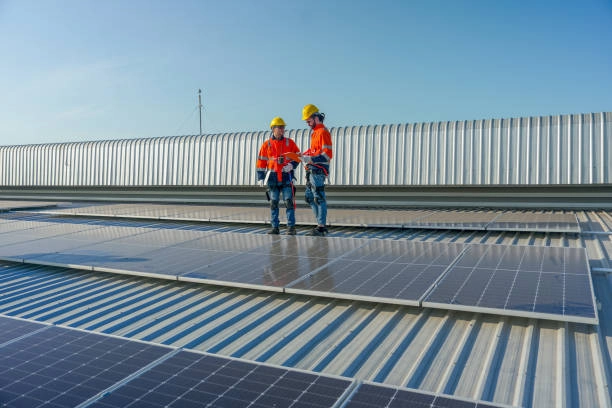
column 271, row 157
column 320, row 148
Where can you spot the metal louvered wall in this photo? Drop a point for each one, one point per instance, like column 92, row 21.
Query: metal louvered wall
column 546, row 150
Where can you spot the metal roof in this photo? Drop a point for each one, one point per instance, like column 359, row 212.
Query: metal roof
column 509, row 360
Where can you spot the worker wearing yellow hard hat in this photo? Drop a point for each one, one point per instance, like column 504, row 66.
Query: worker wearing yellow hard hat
column 276, row 163
column 277, row 121
column 316, row 162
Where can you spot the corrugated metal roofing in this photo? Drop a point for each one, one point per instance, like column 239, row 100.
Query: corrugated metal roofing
column 542, row 150
column 515, row 361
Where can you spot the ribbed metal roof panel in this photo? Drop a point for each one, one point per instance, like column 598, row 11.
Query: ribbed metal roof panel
column 543, row 150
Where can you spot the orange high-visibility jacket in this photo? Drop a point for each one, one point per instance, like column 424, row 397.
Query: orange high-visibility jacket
column 320, row 149
column 271, row 157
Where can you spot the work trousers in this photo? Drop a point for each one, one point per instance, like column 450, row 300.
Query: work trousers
column 275, row 190
column 315, row 195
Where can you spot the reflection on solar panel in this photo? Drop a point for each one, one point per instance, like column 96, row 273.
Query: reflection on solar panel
column 62, row 367
column 541, row 282
column 528, row 221
column 462, row 220
column 388, row 271
column 370, row 395
column 189, row 379
column 276, row 262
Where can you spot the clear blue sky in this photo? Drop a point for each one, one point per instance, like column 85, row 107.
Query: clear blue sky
column 75, row 70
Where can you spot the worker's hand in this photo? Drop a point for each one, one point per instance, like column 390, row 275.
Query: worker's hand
column 306, row 159
column 287, row 167
column 260, row 183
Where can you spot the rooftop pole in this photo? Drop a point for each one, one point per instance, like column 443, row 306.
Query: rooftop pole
column 200, row 106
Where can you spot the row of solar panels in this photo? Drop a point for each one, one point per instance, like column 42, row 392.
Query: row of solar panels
column 554, row 221
column 540, row 282
column 52, row 366
column 8, row 205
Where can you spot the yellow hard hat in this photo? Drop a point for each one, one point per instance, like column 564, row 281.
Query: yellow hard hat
column 308, row 111
column 277, row 121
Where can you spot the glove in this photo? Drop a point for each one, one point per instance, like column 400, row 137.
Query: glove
column 260, row 183
column 306, row 159
column 287, row 167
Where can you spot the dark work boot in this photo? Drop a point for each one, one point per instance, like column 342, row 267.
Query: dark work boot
column 291, row 230
column 317, row 232
column 274, row 231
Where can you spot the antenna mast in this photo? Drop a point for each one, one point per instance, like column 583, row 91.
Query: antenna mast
column 200, row 106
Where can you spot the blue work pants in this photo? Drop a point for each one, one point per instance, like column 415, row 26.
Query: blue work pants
column 275, row 190
column 315, row 195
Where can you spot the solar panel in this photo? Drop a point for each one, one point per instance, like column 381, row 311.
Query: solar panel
column 224, row 213
column 542, row 282
column 541, row 222
column 370, row 395
column 62, row 367
column 454, row 219
column 23, row 205
column 189, row 379
column 383, row 271
column 375, row 218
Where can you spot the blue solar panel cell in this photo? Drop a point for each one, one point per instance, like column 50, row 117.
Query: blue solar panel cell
column 523, row 292
column 498, row 283
column 550, row 297
column 446, row 290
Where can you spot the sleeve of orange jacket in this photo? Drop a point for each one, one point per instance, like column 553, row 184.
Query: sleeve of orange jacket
column 326, row 146
column 262, row 161
column 321, row 146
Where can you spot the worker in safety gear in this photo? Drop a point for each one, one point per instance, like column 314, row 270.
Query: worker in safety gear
column 275, row 171
column 316, row 162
